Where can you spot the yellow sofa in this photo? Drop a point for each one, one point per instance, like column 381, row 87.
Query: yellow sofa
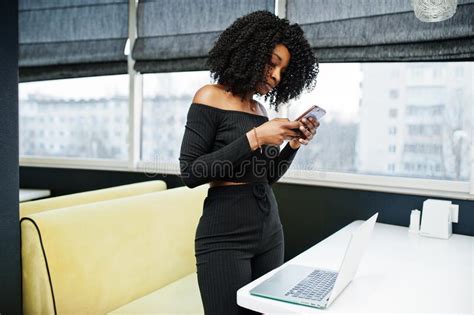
column 30, row 207
column 132, row 255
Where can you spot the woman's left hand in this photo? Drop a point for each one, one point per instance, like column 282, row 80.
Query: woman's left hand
column 308, row 127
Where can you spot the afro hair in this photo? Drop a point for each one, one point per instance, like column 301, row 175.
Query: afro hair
column 240, row 55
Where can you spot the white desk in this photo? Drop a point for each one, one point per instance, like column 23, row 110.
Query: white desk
column 400, row 273
column 30, row 194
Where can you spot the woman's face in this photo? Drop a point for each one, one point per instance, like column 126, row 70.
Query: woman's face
column 274, row 70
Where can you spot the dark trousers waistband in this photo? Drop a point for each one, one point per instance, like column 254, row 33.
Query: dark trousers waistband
column 239, row 189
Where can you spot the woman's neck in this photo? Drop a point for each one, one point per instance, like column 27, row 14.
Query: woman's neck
column 249, row 103
column 246, row 103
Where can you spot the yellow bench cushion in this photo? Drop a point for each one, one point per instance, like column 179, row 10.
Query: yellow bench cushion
column 179, row 297
column 30, row 207
column 93, row 258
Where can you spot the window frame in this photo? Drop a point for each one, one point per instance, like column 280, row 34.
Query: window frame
column 381, row 183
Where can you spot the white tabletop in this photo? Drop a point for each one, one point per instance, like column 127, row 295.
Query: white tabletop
column 400, row 273
column 30, row 194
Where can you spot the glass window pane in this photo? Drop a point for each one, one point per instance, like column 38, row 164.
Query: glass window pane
column 75, row 118
column 427, row 133
column 166, row 100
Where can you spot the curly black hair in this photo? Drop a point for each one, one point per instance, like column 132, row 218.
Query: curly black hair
column 242, row 51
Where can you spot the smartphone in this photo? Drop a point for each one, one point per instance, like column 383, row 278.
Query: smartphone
column 314, row 111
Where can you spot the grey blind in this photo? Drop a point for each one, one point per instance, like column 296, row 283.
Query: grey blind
column 176, row 35
column 382, row 30
column 64, row 38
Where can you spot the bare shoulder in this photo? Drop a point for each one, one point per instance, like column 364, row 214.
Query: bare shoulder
column 210, row 94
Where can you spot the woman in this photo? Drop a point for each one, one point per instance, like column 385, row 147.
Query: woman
column 230, row 143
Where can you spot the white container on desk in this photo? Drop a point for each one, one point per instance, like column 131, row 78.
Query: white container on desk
column 438, row 217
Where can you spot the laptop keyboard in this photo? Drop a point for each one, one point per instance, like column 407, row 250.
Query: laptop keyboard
column 315, row 286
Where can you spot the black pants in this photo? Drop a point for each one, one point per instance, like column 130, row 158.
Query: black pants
column 239, row 238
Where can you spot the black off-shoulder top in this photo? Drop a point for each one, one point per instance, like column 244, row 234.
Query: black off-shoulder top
column 215, row 147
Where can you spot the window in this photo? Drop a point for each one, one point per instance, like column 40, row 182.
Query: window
column 357, row 136
column 428, row 95
column 423, row 148
column 393, row 112
column 166, row 100
column 430, row 110
column 393, row 94
column 430, row 139
column 334, row 147
column 424, row 130
column 46, row 105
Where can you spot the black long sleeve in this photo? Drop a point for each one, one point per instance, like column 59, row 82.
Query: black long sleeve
column 215, row 147
column 279, row 166
column 197, row 164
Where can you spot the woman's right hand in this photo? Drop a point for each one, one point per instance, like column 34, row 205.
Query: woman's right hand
column 277, row 130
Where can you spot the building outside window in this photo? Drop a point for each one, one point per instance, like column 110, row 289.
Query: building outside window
column 68, row 111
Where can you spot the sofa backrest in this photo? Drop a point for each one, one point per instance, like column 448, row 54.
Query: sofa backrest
column 93, row 258
column 30, row 207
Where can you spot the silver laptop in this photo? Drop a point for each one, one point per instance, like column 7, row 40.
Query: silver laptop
column 313, row 286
